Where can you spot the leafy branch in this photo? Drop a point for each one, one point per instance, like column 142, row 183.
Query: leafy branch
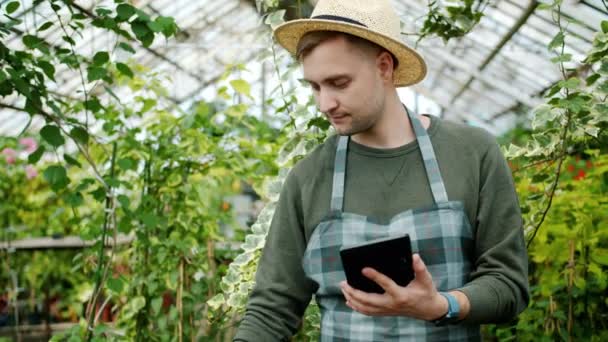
column 572, row 113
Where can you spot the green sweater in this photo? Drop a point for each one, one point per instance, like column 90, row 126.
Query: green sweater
column 382, row 183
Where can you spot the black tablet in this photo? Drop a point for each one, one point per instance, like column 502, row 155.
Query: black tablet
column 390, row 256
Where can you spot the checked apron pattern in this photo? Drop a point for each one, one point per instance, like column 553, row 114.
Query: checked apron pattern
column 441, row 234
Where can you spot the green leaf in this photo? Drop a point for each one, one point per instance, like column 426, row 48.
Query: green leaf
column 71, row 160
column 99, row 194
column 48, row 68
column 557, row 41
column 242, row 87
column 124, row 69
column 115, row 285
column 554, row 90
column 36, row 155
column 80, row 135
column 112, row 182
column 534, row 197
column 147, row 105
column 275, row 18
column 124, row 201
column 605, row 26
column 320, row 122
column 217, row 301
column 142, row 32
column 12, row 7
column 68, row 40
column 592, row 79
column 592, row 130
column 45, row 26
column 52, row 134
column 539, row 177
column 74, row 199
column 101, row 58
column 600, row 256
column 149, row 219
column 236, row 111
column 571, row 83
column 31, row 41
column 543, row 114
column 603, row 87
column 33, row 104
column 575, row 102
column 124, row 12
column 604, row 67
column 156, row 305
column 96, row 73
column 126, row 47
column 93, row 104
column 125, row 225
column 99, row 330
column 567, row 57
column 174, row 179
column 57, row 177
column 167, row 25
column 85, row 184
column 155, row 26
column 140, row 29
column 127, row 164
column 141, row 15
column 103, row 11
column 137, row 303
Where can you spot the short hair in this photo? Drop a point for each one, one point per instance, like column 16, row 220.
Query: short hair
column 312, row 39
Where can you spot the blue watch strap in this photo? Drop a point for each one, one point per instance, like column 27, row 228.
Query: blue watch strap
column 453, row 306
column 453, row 310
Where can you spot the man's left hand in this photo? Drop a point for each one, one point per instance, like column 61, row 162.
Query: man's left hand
column 419, row 299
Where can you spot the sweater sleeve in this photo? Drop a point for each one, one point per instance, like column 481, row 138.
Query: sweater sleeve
column 282, row 291
column 498, row 288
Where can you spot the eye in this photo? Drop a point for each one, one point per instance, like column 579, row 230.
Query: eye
column 342, row 83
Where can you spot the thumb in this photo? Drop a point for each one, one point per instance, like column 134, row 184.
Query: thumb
column 420, row 270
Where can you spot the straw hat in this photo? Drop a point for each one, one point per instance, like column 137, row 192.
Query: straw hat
column 374, row 20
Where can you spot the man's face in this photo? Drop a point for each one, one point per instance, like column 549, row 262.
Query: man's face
column 347, row 85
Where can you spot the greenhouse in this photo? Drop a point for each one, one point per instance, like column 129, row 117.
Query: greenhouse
column 199, row 170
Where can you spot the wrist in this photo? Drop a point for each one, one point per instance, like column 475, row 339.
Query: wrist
column 441, row 307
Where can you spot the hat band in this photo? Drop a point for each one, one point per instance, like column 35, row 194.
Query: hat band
column 338, row 18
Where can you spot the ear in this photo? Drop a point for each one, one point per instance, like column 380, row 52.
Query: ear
column 386, row 66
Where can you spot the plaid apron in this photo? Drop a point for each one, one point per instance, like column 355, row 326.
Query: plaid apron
column 441, row 234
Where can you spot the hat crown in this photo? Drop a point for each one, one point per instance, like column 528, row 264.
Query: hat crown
column 376, row 15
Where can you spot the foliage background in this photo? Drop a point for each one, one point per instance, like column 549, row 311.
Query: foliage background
column 104, row 166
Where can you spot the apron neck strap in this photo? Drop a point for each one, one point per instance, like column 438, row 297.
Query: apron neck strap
column 428, row 156
column 433, row 174
column 337, row 193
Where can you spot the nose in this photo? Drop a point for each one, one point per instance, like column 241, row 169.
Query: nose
column 327, row 101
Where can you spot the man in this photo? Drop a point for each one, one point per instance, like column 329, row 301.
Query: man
column 387, row 172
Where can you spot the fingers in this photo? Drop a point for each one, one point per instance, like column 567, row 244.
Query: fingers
column 363, row 302
column 417, row 263
column 421, row 272
column 385, row 282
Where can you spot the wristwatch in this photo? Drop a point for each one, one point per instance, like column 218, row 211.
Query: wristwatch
column 453, row 310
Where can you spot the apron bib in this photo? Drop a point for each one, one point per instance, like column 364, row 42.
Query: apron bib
column 441, row 234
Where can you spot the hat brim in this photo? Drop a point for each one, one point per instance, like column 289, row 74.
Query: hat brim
column 411, row 68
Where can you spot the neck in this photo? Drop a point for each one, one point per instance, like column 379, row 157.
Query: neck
column 393, row 127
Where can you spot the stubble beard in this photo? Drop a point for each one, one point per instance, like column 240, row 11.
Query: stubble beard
column 362, row 123
column 357, row 125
